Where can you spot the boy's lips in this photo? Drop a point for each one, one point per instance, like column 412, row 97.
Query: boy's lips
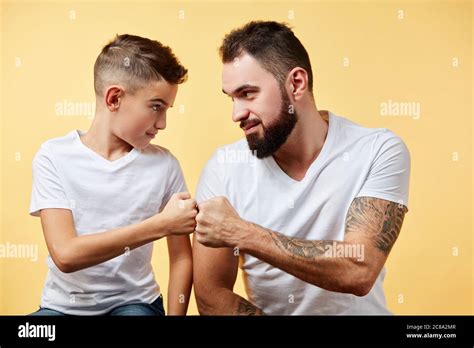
column 151, row 135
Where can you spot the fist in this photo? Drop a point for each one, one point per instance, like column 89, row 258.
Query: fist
column 218, row 224
column 179, row 214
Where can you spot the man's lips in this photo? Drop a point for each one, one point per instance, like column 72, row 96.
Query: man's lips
column 247, row 126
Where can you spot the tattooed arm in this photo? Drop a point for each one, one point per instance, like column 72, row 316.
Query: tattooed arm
column 372, row 225
column 215, row 271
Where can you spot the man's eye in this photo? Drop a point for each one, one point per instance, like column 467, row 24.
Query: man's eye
column 248, row 94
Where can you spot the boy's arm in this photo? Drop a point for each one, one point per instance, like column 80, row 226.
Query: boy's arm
column 71, row 253
column 181, row 274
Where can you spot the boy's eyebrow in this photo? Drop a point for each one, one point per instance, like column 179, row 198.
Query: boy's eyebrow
column 240, row 89
column 161, row 101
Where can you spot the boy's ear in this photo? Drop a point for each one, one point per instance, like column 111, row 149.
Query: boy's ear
column 112, row 97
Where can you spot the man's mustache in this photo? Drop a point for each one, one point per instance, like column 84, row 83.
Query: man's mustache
column 249, row 123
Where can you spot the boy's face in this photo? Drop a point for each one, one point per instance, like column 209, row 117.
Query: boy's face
column 142, row 114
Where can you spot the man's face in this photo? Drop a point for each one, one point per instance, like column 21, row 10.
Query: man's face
column 260, row 106
column 142, row 114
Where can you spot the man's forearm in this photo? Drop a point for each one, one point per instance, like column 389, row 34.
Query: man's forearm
column 244, row 307
column 223, row 301
column 307, row 260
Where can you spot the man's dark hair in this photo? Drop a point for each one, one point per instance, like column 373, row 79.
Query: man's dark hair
column 272, row 44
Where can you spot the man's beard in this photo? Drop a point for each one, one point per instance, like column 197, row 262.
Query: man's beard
column 275, row 135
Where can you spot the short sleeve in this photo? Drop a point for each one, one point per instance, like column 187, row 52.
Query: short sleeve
column 389, row 174
column 176, row 181
column 211, row 181
column 47, row 190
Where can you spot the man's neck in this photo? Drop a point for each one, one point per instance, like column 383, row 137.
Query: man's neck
column 304, row 144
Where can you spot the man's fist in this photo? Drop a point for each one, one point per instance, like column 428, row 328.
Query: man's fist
column 218, row 224
column 178, row 216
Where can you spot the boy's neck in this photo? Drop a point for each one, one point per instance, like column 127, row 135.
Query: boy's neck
column 101, row 140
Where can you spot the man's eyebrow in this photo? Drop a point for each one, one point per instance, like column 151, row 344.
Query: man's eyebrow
column 240, row 89
column 161, row 101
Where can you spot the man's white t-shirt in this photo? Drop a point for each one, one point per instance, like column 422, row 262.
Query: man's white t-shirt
column 354, row 162
column 102, row 195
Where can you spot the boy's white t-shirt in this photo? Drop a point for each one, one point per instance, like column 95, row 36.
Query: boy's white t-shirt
column 102, row 195
column 355, row 161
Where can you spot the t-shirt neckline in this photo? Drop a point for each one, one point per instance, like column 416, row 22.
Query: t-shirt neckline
column 274, row 167
column 132, row 154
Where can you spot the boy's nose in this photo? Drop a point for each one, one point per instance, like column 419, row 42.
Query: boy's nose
column 160, row 123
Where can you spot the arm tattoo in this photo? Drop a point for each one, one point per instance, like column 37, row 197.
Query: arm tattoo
column 246, row 308
column 379, row 218
column 300, row 247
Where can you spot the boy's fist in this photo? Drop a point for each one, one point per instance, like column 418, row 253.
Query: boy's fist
column 179, row 214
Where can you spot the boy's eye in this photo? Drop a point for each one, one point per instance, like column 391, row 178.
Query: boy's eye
column 156, row 107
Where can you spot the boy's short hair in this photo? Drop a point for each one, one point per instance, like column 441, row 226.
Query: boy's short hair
column 272, row 44
column 134, row 61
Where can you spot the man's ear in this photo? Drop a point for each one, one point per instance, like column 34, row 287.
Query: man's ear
column 297, row 83
column 112, row 97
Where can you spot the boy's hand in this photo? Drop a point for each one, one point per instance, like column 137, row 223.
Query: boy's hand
column 179, row 215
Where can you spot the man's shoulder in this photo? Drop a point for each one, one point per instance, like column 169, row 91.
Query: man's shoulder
column 352, row 131
column 373, row 144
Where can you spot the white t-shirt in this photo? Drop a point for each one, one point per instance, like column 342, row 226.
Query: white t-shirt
column 355, row 161
column 102, row 195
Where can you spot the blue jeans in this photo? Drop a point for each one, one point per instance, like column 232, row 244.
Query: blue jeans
column 155, row 308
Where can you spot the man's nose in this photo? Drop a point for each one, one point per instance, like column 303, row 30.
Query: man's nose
column 239, row 112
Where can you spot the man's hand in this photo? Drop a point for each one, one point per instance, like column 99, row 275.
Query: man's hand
column 218, row 224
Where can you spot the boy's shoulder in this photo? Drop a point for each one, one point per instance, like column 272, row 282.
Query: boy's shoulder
column 157, row 150
column 61, row 141
column 58, row 144
column 156, row 154
column 63, row 148
column 71, row 139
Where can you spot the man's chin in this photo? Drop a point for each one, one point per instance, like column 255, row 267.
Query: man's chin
column 259, row 149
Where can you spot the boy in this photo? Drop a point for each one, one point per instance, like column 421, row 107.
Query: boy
column 105, row 195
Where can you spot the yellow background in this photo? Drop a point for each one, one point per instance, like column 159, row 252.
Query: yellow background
column 399, row 51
